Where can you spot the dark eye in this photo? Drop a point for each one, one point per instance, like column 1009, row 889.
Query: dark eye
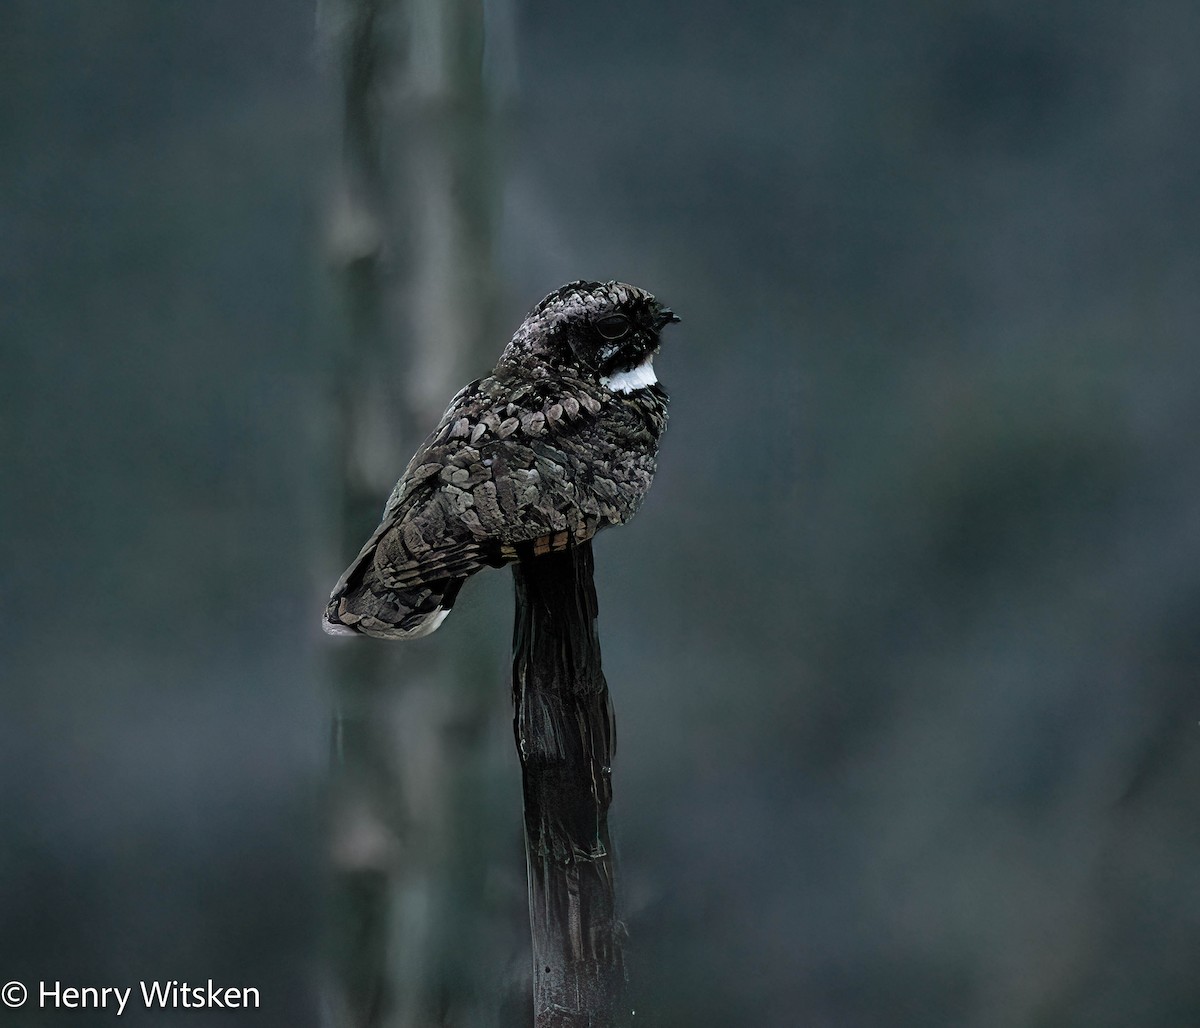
column 613, row 326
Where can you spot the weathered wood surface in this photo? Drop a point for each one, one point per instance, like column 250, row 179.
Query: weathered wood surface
column 565, row 737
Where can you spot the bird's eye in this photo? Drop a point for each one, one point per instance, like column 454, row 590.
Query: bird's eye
column 613, row 326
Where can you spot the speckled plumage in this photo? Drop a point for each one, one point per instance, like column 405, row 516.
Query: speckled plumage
column 539, row 451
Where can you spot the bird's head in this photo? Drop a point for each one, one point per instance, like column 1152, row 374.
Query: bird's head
column 608, row 331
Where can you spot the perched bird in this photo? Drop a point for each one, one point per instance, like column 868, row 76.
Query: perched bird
column 557, row 443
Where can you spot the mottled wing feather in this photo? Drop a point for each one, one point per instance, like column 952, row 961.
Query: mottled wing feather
column 503, row 468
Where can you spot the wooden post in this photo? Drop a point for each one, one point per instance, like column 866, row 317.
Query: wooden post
column 565, row 737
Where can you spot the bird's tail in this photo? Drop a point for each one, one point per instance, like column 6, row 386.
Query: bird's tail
column 362, row 605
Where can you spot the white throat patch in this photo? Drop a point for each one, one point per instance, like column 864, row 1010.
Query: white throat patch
column 635, row 378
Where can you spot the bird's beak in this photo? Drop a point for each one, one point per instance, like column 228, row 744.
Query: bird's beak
column 666, row 316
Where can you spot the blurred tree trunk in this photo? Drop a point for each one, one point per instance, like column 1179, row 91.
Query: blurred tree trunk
column 411, row 237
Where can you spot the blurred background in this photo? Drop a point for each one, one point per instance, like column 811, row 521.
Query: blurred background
column 903, row 645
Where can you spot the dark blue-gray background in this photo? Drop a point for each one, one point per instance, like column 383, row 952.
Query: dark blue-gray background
column 903, row 645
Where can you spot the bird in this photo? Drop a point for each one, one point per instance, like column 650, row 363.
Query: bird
column 559, row 442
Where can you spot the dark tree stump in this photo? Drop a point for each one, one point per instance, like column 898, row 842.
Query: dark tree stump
column 565, row 739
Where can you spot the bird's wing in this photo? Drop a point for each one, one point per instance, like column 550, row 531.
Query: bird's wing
column 501, row 469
